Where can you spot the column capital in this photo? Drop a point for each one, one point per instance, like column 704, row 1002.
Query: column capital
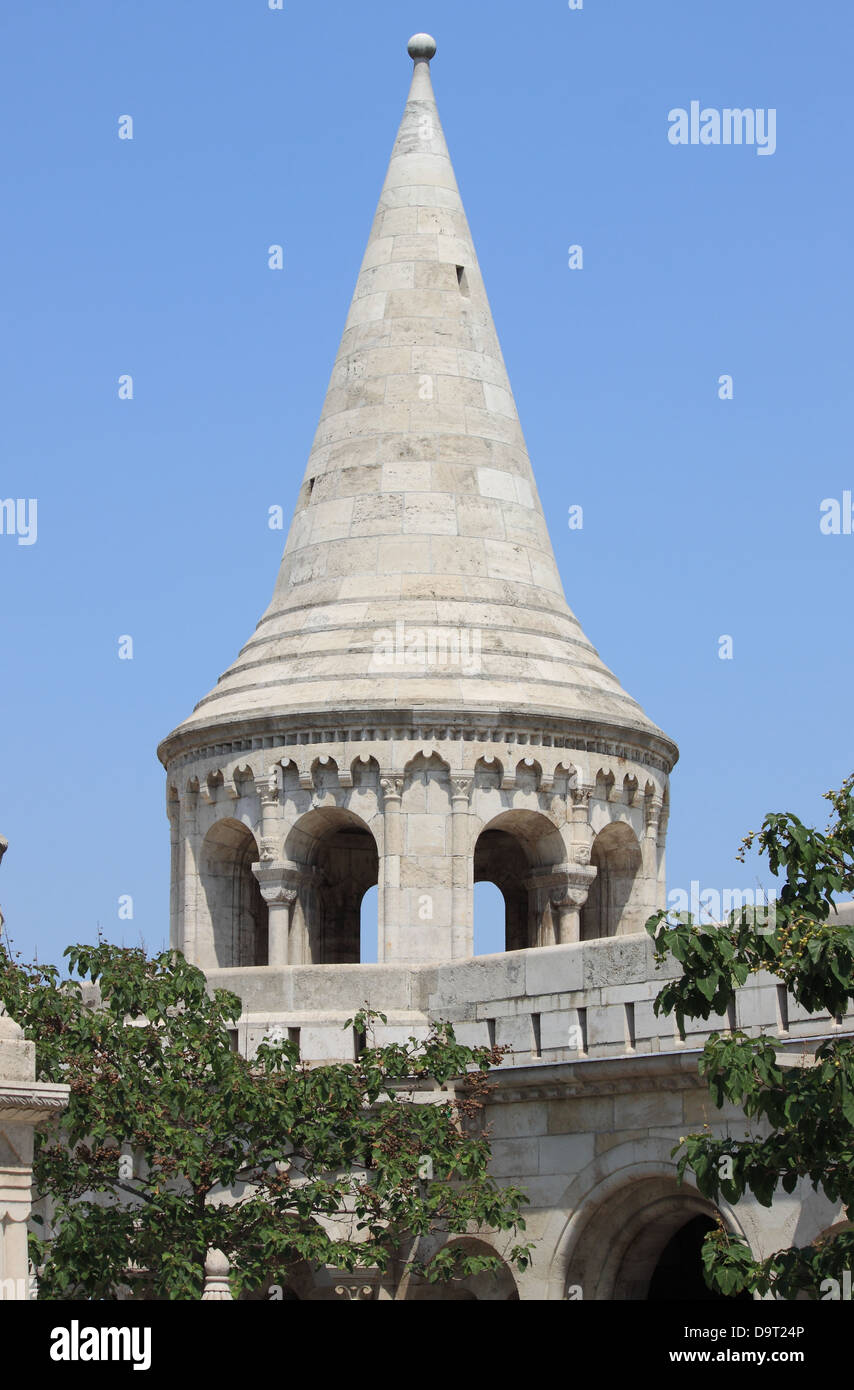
column 392, row 787
column 278, row 893
column 461, row 785
column 275, row 873
column 653, row 808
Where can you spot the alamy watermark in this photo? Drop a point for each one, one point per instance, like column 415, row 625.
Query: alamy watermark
column 712, row 906
column 837, row 516
column 76, row 1343
column 426, row 648
column 731, row 126
column 832, row 1293
column 19, row 516
column 23, row 1290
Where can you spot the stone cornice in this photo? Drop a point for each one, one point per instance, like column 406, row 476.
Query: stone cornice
column 31, row 1102
column 232, row 737
column 603, row 1076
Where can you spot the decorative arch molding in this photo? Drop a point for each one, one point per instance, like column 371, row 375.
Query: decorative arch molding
column 241, row 785
column 427, row 759
column 365, row 774
column 546, row 775
column 610, row 1205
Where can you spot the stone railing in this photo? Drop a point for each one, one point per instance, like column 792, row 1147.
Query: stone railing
column 554, row 1004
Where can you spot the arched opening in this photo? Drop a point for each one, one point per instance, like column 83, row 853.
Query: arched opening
column 490, row 912
column 492, row 1286
column 369, row 927
column 237, row 911
column 515, row 852
column 678, row 1275
column 613, row 907
column 338, row 855
column 642, row 1240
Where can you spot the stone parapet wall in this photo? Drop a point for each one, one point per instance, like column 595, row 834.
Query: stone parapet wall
column 547, row 1005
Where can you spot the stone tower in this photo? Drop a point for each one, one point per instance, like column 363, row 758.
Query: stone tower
column 418, row 707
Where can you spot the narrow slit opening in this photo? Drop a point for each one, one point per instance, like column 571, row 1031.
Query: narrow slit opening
column 782, row 1009
column 579, row 1033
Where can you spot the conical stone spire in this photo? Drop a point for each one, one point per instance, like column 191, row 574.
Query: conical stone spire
column 418, row 574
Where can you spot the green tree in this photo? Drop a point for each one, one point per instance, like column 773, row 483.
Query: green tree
column 343, row 1164
column 801, row 1106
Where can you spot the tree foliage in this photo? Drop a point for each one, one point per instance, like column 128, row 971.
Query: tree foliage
column 173, row 1143
column 801, row 1105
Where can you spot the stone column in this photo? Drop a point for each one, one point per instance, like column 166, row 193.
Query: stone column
column 192, row 947
column 661, row 842
column 280, row 888
column 649, row 849
column 582, row 836
column 280, row 902
column 652, row 850
column 462, row 870
column 569, row 901
column 268, row 792
column 390, row 924
column 173, row 811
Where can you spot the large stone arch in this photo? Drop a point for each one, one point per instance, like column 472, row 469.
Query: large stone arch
column 616, row 1220
column 335, row 861
column 520, row 851
column 236, row 916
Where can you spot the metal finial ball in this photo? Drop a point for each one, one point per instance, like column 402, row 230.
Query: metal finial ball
column 421, row 46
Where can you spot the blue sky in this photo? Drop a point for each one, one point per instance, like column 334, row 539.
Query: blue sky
column 253, row 127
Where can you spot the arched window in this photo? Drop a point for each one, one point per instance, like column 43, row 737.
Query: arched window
column 237, row 911
column 490, row 913
column 369, row 917
column 612, row 906
column 339, row 854
column 515, row 852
